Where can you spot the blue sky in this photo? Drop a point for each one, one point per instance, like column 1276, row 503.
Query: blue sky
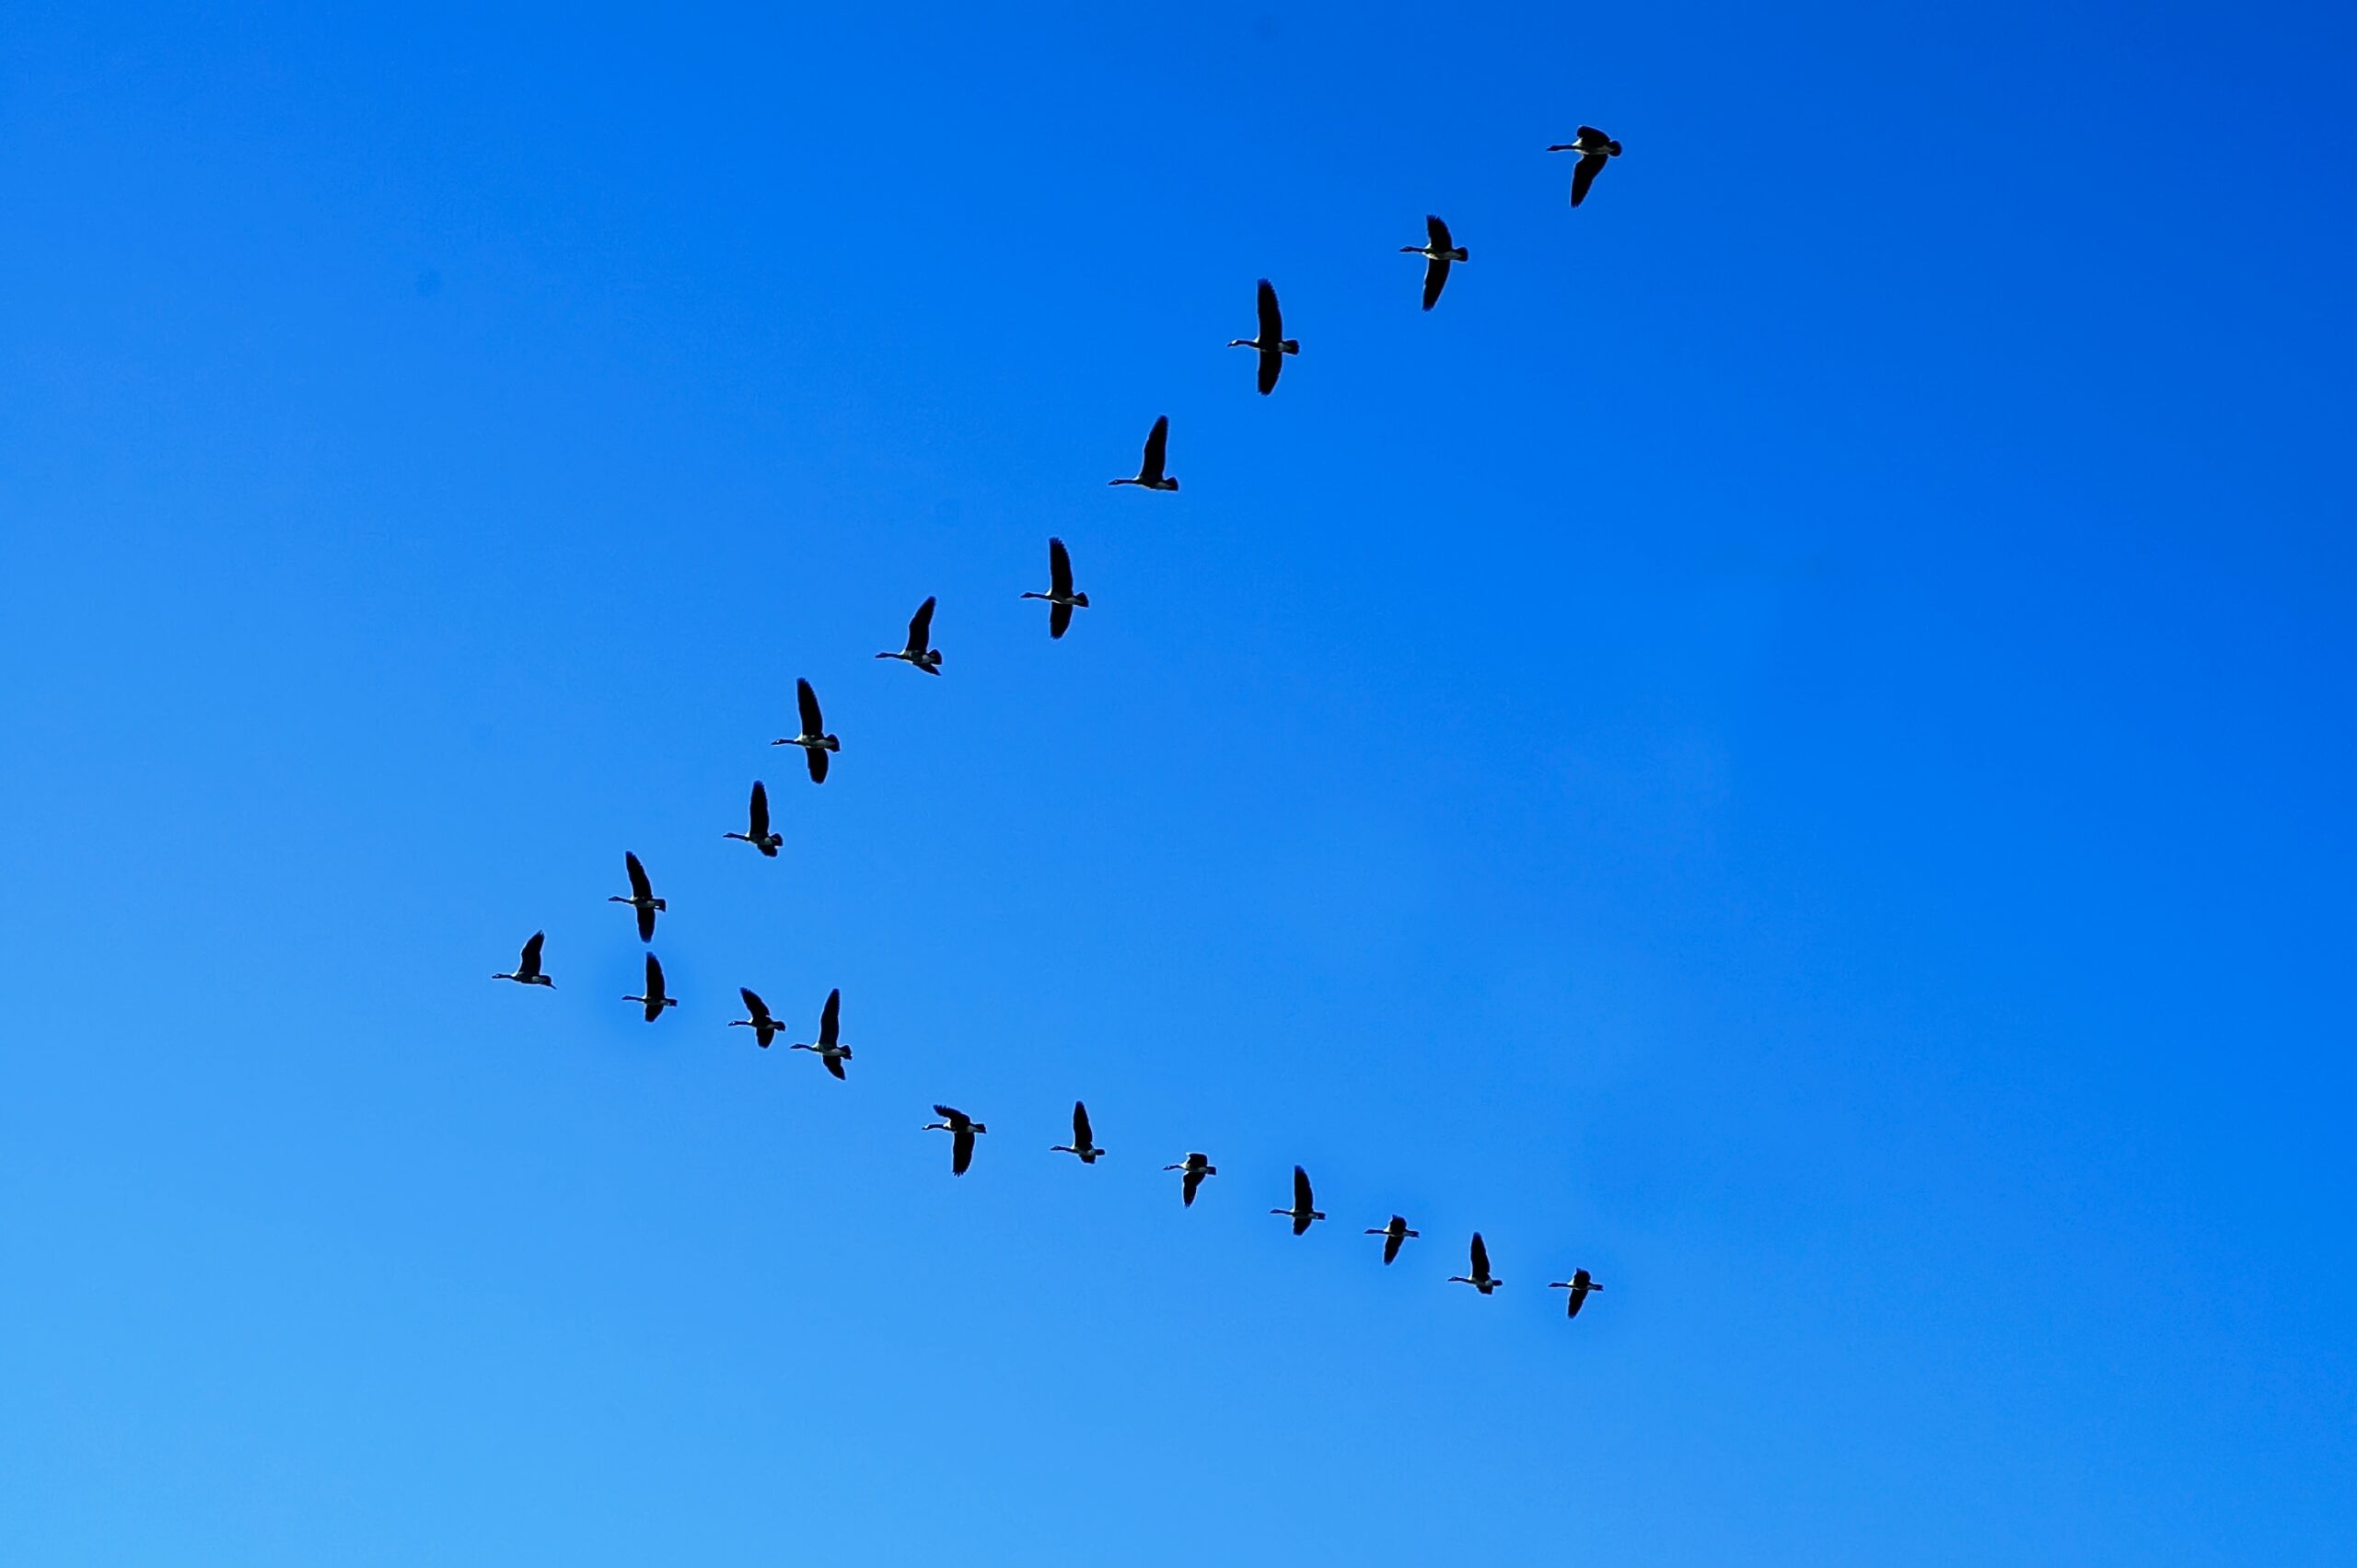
column 1790, row 744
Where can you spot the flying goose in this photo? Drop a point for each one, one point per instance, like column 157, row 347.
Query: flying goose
column 961, row 1129
column 654, row 1000
column 1594, row 147
column 756, row 1020
column 813, row 739
column 528, row 967
column 919, row 651
column 1062, row 601
column 757, row 824
column 828, row 1047
column 1480, row 1278
column 1304, row 1211
column 1150, row 474
column 1271, row 344
column 1197, row 1167
column 1579, row 1285
column 642, row 897
column 1082, row 1141
column 1437, row 253
column 1393, row 1234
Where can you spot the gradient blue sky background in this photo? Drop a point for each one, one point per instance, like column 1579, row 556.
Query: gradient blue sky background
column 1791, row 744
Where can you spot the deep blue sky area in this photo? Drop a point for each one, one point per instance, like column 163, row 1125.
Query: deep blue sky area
column 1790, row 745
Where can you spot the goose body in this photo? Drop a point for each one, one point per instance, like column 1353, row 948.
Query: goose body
column 1271, row 346
column 1393, row 1234
column 962, row 1129
column 1083, row 1145
column 1195, row 1167
column 829, row 1046
column 1594, row 147
column 919, row 651
column 757, row 823
column 1303, row 1212
column 1437, row 252
column 642, row 897
column 1479, row 1279
column 654, row 998
column 757, row 1018
column 813, row 739
column 1061, row 599
column 527, row 964
column 1151, row 474
column 1579, row 1285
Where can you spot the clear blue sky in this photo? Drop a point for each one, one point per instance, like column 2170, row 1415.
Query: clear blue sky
column 1791, row 744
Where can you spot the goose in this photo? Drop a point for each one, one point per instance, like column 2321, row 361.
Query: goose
column 1062, row 601
column 1197, row 1167
column 1271, row 344
column 528, row 967
column 756, row 1020
column 1082, row 1143
column 919, row 651
column 1437, row 253
column 1393, row 1234
column 813, row 739
column 828, row 1048
column 654, row 999
column 1303, row 1212
column 757, row 824
column 1594, row 147
column 642, row 897
column 1579, row 1285
column 962, row 1129
column 1150, row 474
column 1480, row 1278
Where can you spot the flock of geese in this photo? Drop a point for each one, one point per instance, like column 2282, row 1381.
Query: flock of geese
column 1270, row 346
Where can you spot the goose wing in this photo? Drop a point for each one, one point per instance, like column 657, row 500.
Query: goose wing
column 1273, row 364
column 1273, row 321
column 1187, row 1183
column 1301, row 1198
column 758, row 814
column 1437, row 232
column 1081, row 1136
column 1059, row 570
column 1578, row 1293
column 1158, row 448
column 1435, row 279
column 1391, row 1240
column 530, row 964
column 961, row 1150
column 920, row 628
column 655, row 992
column 807, row 700
column 830, row 1018
column 1583, row 173
column 952, row 1115
column 640, row 887
column 815, row 758
column 756, row 1010
column 1481, row 1258
column 1059, row 619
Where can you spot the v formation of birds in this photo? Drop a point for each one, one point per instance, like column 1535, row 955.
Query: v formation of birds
column 1270, row 346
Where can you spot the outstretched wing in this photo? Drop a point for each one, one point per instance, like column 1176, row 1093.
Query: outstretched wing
column 1590, row 137
column 755, row 1008
column 1059, row 619
column 834, row 1065
column 961, row 1150
column 920, row 628
column 529, row 965
column 646, row 922
column 1081, row 1136
column 1273, row 322
column 1583, row 173
column 1158, row 448
column 654, row 978
column 1059, row 569
column 1437, row 232
column 1301, row 1200
column 830, row 1019
column 1273, row 363
column 1481, row 1258
column 1391, row 1240
column 640, row 887
column 1435, row 279
column 950, row 1114
column 815, row 757
column 1579, row 1298
column 1187, row 1185
column 807, row 700
column 758, row 827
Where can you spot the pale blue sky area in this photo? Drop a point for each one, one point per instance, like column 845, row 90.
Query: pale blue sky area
column 1791, row 744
